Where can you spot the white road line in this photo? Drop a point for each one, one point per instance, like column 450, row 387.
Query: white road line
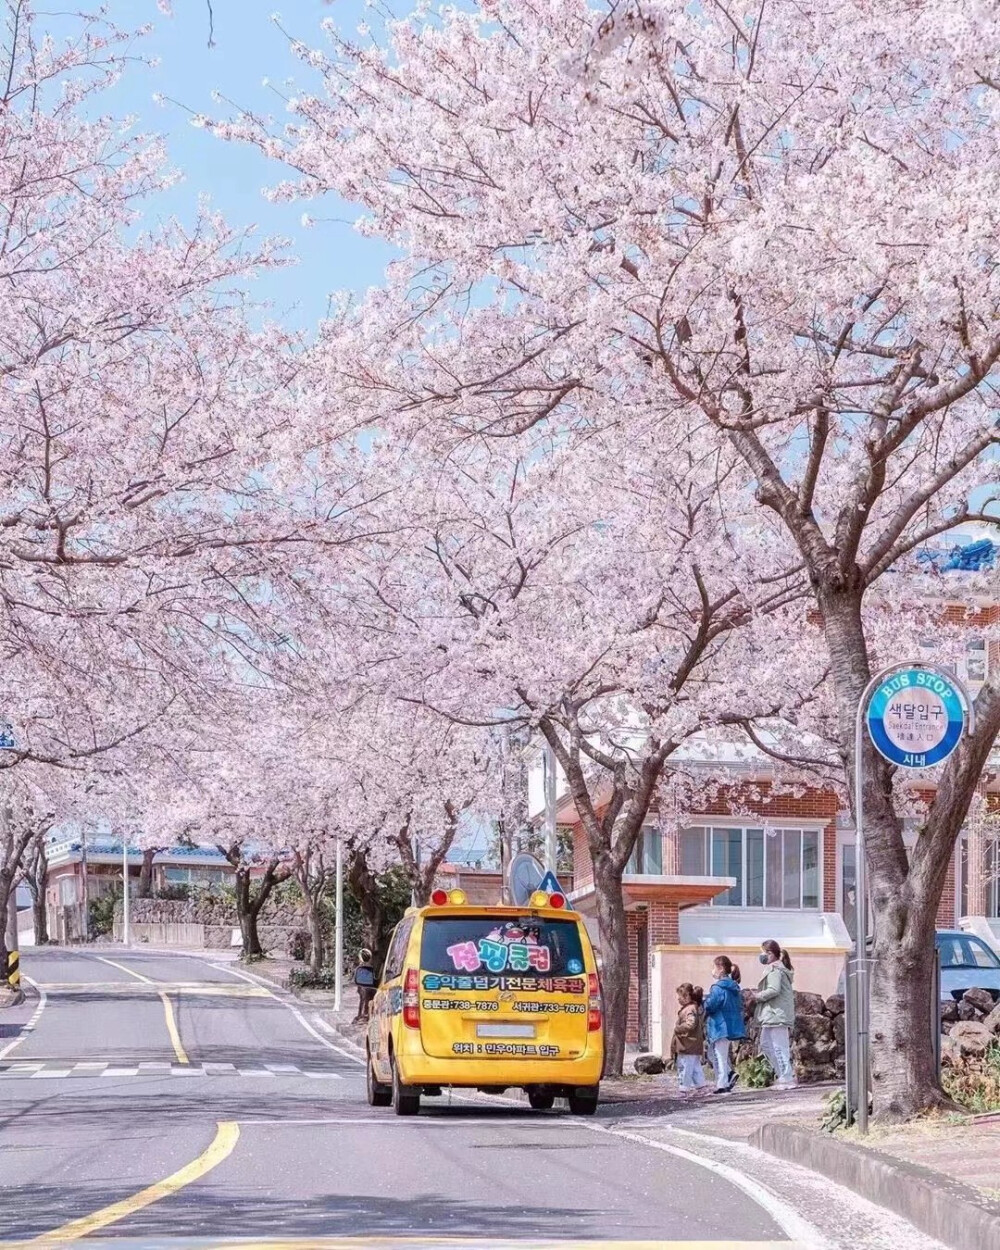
column 49, row 1072
column 787, row 1218
column 27, row 1029
column 246, row 976
column 120, row 1072
column 121, row 968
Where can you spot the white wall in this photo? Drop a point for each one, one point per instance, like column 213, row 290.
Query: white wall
column 749, row 926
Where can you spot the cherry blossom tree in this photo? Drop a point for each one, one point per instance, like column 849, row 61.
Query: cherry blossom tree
column 771, row 223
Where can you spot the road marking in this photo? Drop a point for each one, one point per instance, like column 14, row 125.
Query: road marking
column 29, row 1028
column 226, row 1136
column 245, row 976
column 175, row 1037
column 66, row 1067
column 787, row 1218
column 121, row 968
column 207, row 989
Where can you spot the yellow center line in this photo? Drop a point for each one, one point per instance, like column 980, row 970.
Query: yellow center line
column 175, row 1037
column 226, row 1136
column 121, row 968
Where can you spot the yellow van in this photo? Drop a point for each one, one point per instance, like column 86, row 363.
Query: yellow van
column 487, row 998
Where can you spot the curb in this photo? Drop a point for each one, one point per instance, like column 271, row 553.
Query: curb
column 952, row 1213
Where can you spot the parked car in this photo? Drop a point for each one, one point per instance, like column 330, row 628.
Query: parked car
column 967, row 962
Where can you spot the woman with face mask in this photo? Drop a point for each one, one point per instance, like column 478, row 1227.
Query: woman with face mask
column 774, row 1011
column 723, row 1020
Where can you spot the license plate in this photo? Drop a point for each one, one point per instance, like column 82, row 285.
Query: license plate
column 505, row 1030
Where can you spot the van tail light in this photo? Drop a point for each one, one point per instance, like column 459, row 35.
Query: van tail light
column 411, row 999
column 595, row 1013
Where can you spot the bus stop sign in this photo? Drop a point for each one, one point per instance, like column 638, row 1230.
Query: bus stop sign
column 915, row 718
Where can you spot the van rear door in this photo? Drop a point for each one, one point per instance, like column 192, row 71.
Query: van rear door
column 505, row 987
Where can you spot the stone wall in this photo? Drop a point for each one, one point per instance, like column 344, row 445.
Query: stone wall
column 207, row 921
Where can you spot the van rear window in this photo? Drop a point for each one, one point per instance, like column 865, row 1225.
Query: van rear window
column 525, row 945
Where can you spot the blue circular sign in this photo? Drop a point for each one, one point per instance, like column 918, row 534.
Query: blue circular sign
column 915, row 718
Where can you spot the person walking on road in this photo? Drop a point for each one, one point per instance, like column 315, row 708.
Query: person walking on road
column 688, row 1042
column 724, row 1020
column 774, row 1011
column 364, row 979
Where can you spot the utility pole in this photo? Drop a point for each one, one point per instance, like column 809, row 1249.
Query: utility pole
column 338, row 932
column 84, row 884
column 551, row 837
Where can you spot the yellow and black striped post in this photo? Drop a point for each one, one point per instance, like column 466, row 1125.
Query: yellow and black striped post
column 13, row 954
column 14, row 970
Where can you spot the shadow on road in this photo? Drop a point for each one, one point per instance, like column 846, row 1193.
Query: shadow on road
column 204, row 1213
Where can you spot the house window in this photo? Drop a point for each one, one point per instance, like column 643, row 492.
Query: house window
column 989, row 868
column 776, row 868
column 193, row 876
column 647, row 855
column 975, row 662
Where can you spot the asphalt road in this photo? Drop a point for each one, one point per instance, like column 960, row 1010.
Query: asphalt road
column 164, row 1100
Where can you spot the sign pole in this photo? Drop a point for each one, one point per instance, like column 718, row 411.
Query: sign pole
column 933, row 729
column 861, row 999
column 125, row 898
column 338, row 932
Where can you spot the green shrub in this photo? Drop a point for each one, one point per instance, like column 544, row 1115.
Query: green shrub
column 174, row 892
column 304, row 979
column 755, row 1072
column 101, row 912
column 976, row 1084
column 835, row 1113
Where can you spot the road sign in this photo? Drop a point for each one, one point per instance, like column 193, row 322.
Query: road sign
column 915, row 718
column 550, row 885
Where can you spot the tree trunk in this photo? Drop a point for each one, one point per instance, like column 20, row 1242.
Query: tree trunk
column 905, row 891
column 904, row 1075
column 40, row 918
column 315, row 931
column 364, row 886
column 246, row 914
column 146, row 872
column 614, row 961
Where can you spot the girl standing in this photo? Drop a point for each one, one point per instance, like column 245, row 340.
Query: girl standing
column 775, row 1011
column 688, row 1041
column 724, row 1020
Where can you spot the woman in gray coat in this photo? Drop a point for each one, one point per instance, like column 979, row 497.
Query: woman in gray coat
column 774, row 1011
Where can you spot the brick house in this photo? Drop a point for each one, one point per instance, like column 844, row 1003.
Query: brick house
column 758, row 862
column 68, row 881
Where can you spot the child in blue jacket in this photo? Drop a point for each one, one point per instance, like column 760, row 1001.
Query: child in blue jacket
column 723, row 1008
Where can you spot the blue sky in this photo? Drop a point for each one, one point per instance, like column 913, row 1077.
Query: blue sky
column 248, row 48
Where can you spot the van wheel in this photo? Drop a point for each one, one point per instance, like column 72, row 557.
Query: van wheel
column 584, row 1101
column 405, row 1099
column 379, row 1095
column 540, row 1100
